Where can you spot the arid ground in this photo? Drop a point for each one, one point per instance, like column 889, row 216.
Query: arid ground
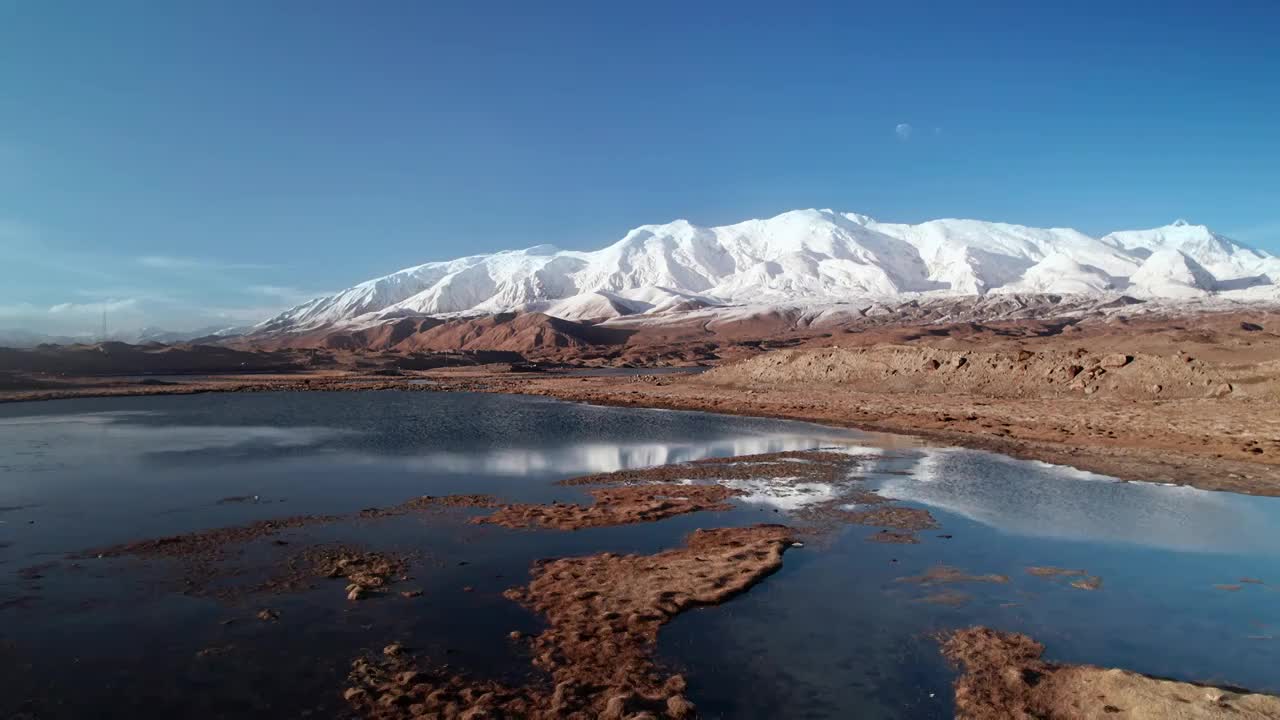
column 1178, row 399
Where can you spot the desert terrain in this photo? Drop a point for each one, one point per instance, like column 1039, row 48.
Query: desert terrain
column 1183, row 398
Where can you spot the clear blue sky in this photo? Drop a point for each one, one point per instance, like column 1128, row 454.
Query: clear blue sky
column 207, row 161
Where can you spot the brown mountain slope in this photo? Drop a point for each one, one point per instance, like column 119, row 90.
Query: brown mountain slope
column 1247, row 335
column 528, row 332
column 533, row 335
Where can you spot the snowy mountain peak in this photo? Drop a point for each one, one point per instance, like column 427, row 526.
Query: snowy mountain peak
column 1171, row 273
column 1179, row 223
column 1220, row 255
column 801, row 256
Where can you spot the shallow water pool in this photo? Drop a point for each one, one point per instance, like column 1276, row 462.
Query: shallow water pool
column 836, row 632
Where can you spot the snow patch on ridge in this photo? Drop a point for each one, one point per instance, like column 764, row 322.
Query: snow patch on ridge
column 803, row 256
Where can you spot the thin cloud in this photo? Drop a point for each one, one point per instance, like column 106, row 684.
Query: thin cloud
column 70, row 308
column 125, row 316
column 903, row 131
column 72, row 318
column 21, row 309
column 173, row 263
column 243, row 316
column 141, row 294
column 285, row 293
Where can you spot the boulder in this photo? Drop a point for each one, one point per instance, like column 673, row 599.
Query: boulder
column 1115, row 360
column 679, row 708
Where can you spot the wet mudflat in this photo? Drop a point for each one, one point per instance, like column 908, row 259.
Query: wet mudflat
column 1173, row 582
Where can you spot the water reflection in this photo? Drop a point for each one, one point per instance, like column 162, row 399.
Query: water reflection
column 832, row 634
column 539, row 439
column 783, row 493
column 588, row 458
column 44, row 442
column 1049, row 501
column 153, row 435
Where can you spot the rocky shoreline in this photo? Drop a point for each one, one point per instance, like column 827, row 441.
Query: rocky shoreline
column 1004, row 675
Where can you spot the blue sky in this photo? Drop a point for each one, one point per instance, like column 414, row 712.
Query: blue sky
column 202, row 163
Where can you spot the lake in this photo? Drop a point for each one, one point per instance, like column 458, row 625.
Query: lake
column 834, row 633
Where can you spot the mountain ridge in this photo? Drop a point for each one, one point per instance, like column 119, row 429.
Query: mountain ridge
column 801, row 256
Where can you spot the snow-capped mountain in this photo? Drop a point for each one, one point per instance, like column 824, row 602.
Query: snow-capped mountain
column 1221, row 256
column 803, row 256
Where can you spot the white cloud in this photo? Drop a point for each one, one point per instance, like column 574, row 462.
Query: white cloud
column 136, row 292
column 903, row 131
column 169, row 262
column 108, row 306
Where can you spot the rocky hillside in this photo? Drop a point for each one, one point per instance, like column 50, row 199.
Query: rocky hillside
column 1211, row 356
column 903, row 369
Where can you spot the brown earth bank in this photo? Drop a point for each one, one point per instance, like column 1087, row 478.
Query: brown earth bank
column 1004, row 676
column 603, row 614
column 1186, row 399
column 789, row 467
column 1215, row 443
column 206, row 561
column 111, row 367
column 615, row 506
column 1228, row 443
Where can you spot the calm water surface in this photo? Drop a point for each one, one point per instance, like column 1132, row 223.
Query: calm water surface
column 833, row 634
